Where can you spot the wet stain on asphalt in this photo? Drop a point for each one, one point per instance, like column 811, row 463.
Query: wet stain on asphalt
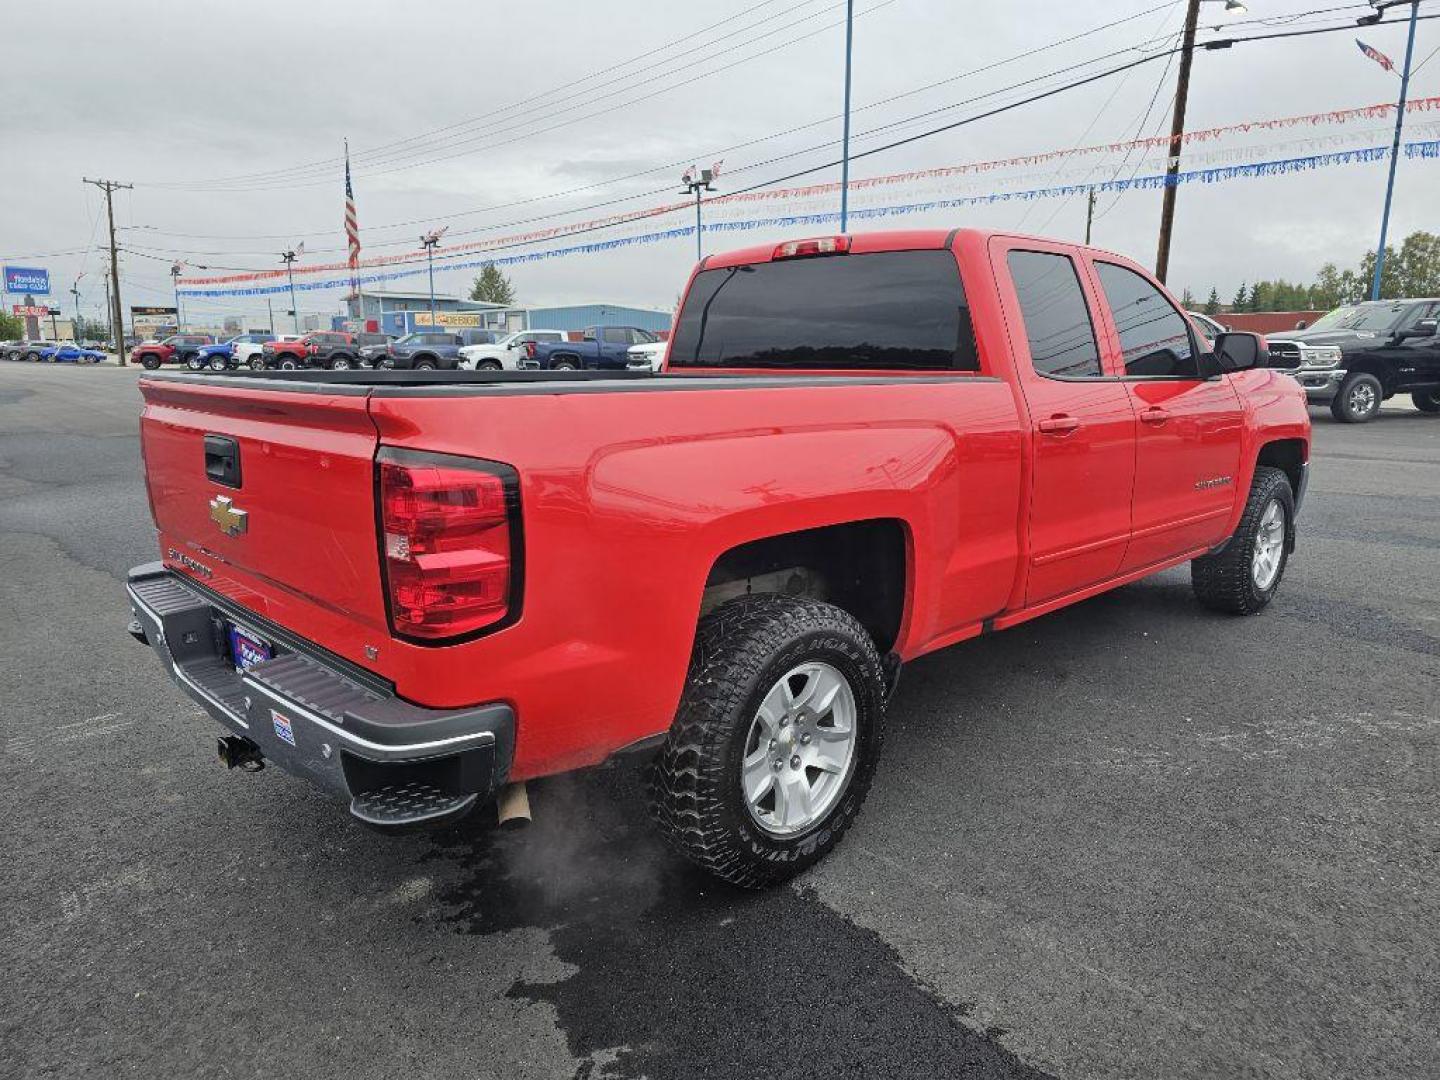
column 678, row 977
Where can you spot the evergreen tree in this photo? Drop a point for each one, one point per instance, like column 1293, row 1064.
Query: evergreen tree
column 1212, row 305
column 1237, row 303
column 1187, row 300
column 492, row 286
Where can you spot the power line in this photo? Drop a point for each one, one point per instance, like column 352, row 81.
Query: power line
column 669, row 166
column 298, row 176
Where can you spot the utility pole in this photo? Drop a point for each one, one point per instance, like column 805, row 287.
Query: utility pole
column 1395, row 145
column 1089, row 214
column 271, row 309
column 845, row 139
column 694, row 185
column 1177, row 134
column 109, row 311
column 117, row 324
column 288, row 258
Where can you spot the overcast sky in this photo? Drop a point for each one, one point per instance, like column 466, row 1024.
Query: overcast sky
column 159, row 93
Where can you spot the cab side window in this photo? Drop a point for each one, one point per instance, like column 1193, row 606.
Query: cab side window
column 1154, row 337
column 1056, row 317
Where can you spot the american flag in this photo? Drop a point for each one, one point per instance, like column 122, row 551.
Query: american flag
column 352, row 228
column 1376, row 55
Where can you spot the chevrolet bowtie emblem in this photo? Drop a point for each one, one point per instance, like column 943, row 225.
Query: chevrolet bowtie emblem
column 232, row 522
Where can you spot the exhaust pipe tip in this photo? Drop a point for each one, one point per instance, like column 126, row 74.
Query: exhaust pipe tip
column 513, row 806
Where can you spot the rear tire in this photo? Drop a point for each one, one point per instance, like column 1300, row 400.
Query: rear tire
column 754, row 658
column 1358, row 399
column 1427, row 400
column 257, row 364
column 194, row 363
column 340, row 363
column 219, row 363
column 1244, row 575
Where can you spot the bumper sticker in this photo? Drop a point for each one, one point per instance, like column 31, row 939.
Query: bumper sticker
column 283, row 730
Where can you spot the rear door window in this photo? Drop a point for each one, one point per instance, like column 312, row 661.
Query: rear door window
column 900, row 310
column 616, row 335
column 1154, row 336
column 1056, row 316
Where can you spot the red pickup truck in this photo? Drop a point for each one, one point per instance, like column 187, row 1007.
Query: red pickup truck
column 422, row 589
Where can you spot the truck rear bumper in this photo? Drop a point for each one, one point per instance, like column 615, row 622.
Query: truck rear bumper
column 397, row 764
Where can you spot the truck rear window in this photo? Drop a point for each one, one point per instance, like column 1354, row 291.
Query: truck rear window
column 902, row 310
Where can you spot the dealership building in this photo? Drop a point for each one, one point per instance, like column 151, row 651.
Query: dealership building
column 405, row 312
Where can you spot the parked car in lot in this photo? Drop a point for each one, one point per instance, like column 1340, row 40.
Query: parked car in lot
column 175, row 349
column 507, row 353
column 864, row 448
column 1357, row 356
column 262, row 356
column 647, row 357
column 240, row 351
column 371, row 348
column 288, row 351
column 1208, row 326
column 68, row 352
column 424, row 351
column 24, row 348
column 600, row 348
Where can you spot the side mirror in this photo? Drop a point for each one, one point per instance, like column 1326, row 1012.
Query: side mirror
column 1238, row 351
column 1301, row 325
column 1422, row 329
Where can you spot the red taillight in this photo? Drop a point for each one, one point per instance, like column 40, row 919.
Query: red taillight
column 312, row 349
column 446, row 544
column 529, row 350
column 824, row 245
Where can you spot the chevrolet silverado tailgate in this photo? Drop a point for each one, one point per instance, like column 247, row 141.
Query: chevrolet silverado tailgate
column 266, row 495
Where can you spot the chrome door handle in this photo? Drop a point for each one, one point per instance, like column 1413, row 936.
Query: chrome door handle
column 1059, row 425
column 1154, row 415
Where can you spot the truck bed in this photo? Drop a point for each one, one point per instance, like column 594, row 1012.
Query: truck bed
column 626, row 506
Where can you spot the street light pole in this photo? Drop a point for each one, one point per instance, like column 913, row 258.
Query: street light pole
column 288, row 258
column 694, row 185
column 845, row 139
column 1394, row 149
column 431, row 239
column 179, row 314
column 75, row 292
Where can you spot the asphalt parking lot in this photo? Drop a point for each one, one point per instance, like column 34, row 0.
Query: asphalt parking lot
column 1133, row 839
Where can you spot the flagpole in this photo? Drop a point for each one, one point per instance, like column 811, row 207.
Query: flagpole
column 1395, row 151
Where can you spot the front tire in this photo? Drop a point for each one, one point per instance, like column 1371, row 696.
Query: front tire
column 775, row 743
column 425, row 365
column 1244, row 575
column 1427, row 400
column 289, row 364
column 489, row 365
column 565, row 363
column 150, row 363
column 1358, row 399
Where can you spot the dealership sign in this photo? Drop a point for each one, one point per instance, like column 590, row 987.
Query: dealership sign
column 448, row 318
column 25, row 312
column 27, row 279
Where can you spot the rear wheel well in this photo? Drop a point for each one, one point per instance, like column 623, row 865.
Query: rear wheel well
column 859, row 566
column 1285, row 454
